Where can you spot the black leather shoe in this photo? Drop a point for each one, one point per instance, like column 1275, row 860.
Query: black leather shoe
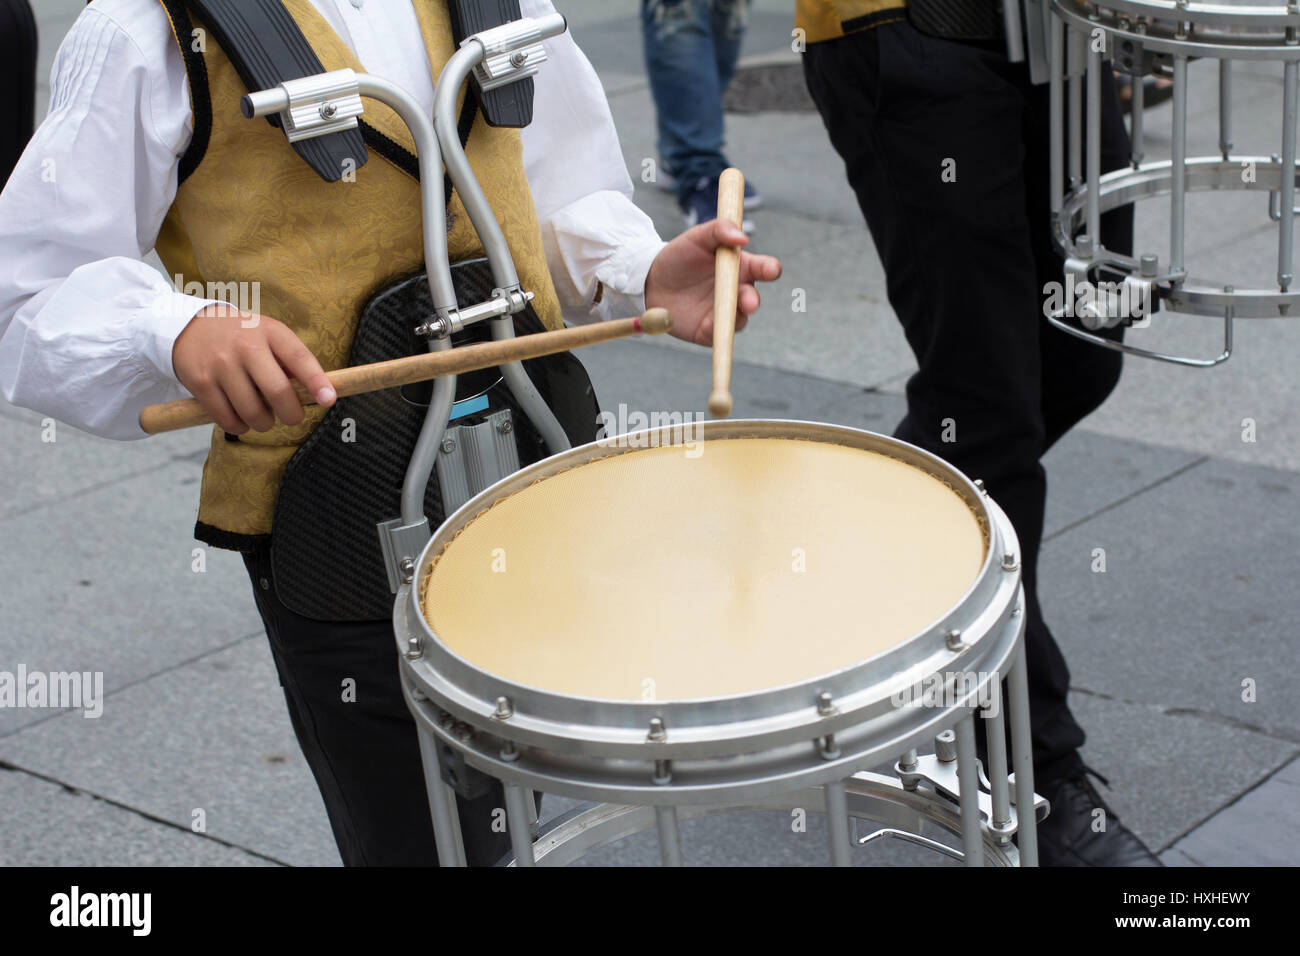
column 1070, row 836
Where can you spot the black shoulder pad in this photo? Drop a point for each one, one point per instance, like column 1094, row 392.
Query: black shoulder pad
column 267, row 47
column 512, row 105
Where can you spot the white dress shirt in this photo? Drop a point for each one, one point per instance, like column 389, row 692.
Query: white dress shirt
column 82, row 334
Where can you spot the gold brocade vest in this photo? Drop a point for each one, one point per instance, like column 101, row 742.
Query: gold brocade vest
column 829, row 19
column 254, row 211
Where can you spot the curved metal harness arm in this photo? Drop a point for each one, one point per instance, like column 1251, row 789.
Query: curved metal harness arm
column 329, row 102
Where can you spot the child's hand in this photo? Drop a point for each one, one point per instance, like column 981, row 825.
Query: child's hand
column 238, row 365
column 681, row 279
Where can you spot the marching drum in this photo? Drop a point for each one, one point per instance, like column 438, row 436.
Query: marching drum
column 1144, row 37
column 694, row 618
column 723, row 616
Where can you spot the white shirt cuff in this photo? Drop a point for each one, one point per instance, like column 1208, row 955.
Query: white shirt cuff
column 602, row 238
column 157, row 327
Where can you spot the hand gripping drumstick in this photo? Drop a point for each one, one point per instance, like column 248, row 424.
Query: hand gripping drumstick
column 726, row 287
column 358, row 379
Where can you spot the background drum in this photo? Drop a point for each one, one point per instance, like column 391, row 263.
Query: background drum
column 728, row 615
column 1144, row 37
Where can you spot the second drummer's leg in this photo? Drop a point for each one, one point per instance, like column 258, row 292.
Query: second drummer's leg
column 932, row 135
column 1076, row 378
column 341, row 684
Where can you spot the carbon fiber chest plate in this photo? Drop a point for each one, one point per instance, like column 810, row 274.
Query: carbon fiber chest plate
column 347, row 476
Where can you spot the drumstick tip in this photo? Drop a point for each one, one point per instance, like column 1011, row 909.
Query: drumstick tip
column 720, row 404
column 654, row 321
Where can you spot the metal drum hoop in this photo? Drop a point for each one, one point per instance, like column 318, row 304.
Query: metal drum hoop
column 1086, row 39
column 1123, row 186
column 1193, row 28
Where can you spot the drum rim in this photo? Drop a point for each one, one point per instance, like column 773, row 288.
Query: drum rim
column 1197, row 12
column 537, row 716
column 1220, row 31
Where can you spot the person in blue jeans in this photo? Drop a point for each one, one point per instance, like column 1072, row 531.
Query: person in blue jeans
column 691, row 48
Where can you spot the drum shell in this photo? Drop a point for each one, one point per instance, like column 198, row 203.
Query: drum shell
column 722, row 747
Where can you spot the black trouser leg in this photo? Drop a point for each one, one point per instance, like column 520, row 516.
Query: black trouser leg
column 18, row 81
column 364, row 751
column 1076, row 378
column 945, row 146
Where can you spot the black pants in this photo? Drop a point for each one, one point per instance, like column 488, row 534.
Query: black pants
column 966, row 258
column 17, row 80
column 340, row 681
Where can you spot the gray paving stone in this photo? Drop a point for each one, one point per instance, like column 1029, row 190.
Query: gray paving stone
column 1175, row 857
column 1169, row 771
column 842, row 334
column 848, row 332
column 49, row 825
column 104, row 582
column 213, row 735
column 1198, row 596
column 36, row 472
column 1087, row 472
column 1205, row 410
column 804, row 177
column 1245, row 833
column 647, row 377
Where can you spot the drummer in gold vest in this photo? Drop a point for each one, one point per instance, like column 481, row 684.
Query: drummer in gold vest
column 907, row 91
column 152, row 152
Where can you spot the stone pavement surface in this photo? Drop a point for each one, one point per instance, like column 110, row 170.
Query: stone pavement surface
column 1199, row 529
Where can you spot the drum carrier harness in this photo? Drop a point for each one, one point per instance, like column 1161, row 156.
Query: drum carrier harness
column 372, row 513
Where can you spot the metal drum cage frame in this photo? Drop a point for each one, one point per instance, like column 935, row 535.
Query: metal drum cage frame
column 810, row 744
column 1142, row 37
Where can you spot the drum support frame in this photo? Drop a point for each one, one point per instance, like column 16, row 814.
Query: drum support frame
column 321, row 104
column 1142, row 37
column 868, row 796
column 984, row 817
column 749, row 750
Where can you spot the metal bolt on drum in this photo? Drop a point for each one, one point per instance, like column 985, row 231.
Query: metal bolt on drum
column 810, row 744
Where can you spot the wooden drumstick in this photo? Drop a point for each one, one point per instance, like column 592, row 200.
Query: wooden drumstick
column 358, row 379
column 726, row 288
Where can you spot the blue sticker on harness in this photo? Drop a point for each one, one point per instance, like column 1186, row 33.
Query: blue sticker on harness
column 468, row 407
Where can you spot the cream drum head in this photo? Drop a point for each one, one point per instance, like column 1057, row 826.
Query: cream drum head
column 716, row 568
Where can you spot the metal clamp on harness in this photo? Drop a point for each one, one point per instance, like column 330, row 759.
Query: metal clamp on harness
column 470, row 456
column 450, row 321
column 511, row 52
column 311, row 106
